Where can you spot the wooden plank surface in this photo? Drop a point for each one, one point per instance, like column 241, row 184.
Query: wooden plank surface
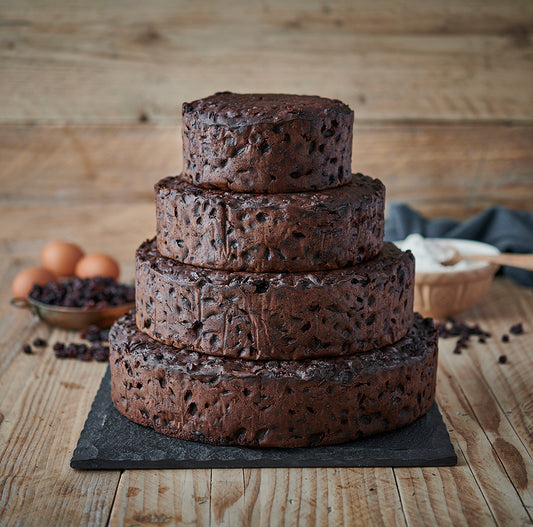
column 115, row 62
column 453, row 170
column 44, row 402
column 444, row 116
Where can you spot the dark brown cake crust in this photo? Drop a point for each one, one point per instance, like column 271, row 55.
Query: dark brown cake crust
column 303, row 231
column 267, row 142
column 275, row 315
column 272, row 404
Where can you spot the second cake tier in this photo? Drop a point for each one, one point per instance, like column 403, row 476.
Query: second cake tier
column 275, row 315
column 302, row 231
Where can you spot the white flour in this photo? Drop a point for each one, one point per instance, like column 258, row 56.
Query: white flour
column 430, row 252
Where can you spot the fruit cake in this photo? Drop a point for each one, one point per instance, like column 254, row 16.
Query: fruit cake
column 303, row 231
column 225, row 401
column 275, row 315
column 269, row 312
column 267, row 142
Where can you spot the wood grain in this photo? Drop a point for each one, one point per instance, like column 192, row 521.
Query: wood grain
column 510, row 453
column 447, row 496
column 319, row 496
column 267, row 497
column 111, row 63
column 498, row 491
column 444, row 116
column 42, row 421
column 454, row 171
column 513, row 382
column 168, row 497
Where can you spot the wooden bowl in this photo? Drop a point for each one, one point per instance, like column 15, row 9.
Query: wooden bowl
column 446, row 294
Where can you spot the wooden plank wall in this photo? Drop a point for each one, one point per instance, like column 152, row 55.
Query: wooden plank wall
column 442, row 90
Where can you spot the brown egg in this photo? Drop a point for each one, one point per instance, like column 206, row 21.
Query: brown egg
column 26, row 279
column 61, row 257
column 97, row 264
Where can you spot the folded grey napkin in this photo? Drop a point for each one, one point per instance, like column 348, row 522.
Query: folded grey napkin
column 510, row 231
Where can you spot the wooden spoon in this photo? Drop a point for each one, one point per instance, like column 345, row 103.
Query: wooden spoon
column 523, row 261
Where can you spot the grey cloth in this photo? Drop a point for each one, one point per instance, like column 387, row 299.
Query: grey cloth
column 510, row 231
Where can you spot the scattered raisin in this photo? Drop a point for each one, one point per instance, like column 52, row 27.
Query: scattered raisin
column 502, row 359
column 452, row 328
column 505, row 338
column 99, row 352
column 27, row 349
column 39, row 342
column 60, row 350
column 517, row 329
column 72, row 351
column 96, row 351
column 61, row 353
column 94, row 334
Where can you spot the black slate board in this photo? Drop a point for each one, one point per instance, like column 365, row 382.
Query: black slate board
column 110, row 441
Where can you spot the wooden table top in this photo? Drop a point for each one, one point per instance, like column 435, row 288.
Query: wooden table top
column 44, row 401
column 89, row 121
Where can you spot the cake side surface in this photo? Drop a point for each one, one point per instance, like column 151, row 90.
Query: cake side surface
column 275, row 315
column 329, row 229
column 272, row 403
column 267, row 143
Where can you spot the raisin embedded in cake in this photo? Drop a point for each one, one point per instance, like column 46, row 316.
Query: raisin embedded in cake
column 302, row 231
column 267, row 142
column 275, row 315
column 272, row 404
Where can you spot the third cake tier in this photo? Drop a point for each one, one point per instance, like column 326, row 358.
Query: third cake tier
column 301, row 231
column 275, row 315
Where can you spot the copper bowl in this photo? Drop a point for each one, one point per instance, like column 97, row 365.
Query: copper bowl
column 73, row 317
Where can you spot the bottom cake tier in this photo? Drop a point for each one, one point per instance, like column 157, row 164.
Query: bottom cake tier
column 224, row 401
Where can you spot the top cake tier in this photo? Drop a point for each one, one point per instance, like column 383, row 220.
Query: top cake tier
column 267, row 143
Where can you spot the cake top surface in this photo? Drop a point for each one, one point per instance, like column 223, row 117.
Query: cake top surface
column 239, row 109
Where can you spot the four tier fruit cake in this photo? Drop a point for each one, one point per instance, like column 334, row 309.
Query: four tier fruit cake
column 269, row 311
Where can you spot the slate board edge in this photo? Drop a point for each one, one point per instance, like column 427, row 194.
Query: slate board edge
column 84, row 457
